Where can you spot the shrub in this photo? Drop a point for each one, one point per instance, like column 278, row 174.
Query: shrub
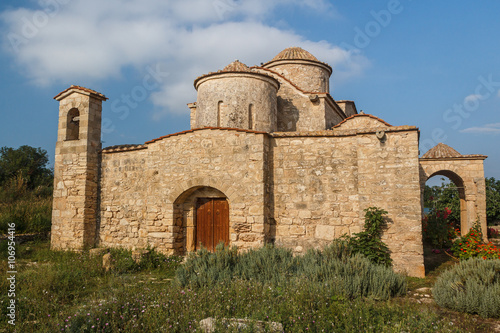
column 369, row 242
column 351, row 277
column 472, row 245
column 473, row 286
column 122, row 261
column 493, row 233
column 334, row 269
column 267, row 265
column 204, row 268
column 438, row 229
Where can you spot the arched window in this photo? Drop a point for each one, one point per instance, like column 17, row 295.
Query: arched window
column 250, row 117
column 219, row 111
column 73, row 125
column 324, row 87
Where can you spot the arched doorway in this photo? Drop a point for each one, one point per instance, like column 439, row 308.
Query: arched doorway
column 447, row 191
column 202, row 218
column 467, row 173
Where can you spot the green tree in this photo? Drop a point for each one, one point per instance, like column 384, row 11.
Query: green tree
column 438, row 198
column 492, row 199
column 26, row 163
column 446, row 196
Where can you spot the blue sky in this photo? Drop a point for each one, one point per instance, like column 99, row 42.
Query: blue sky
column 432, row 64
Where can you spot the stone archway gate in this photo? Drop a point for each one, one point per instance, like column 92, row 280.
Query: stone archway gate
column 467, row 173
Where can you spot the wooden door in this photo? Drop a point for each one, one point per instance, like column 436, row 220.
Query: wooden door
column 212, row 223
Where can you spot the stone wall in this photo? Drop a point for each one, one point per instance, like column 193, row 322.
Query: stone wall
column 299, row 111
column 144, row 192
column 307, row 75
column 299, row 190
column 322, row 184
column 237, row 100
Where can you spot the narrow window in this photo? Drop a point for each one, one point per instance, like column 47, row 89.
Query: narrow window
column 250, row 117
column 219, row 110
column 73, row 125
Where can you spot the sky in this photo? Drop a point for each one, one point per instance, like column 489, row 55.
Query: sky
column 431, row 64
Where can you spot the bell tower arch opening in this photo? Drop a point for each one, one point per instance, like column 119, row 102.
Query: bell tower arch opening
column 73, row 124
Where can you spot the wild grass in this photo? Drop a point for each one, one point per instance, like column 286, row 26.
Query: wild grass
column 31, row 211
column 70, row 292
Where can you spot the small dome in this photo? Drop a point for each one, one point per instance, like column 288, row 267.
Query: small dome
column 236, row 66
column 293, row 53
column 441, row 151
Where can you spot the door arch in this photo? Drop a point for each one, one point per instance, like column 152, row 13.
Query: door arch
column 202, row 218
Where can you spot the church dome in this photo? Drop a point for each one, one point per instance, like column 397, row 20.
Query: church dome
column 302, row 68
column 293, row 53
column 237, row 97
column 236, row 66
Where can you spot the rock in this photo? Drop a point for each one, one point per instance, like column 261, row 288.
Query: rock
column 97, row 251
column 137, row 255
column 207, row 325
column 424, row 290
column 106, row 262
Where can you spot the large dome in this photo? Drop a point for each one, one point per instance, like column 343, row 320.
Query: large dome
column 302, row 68
column 293, row 53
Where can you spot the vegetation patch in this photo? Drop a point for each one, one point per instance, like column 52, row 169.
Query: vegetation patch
column 71, row 292
column 472, row 246
column 473, row 286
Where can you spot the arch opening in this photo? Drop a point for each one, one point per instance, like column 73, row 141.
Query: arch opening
column 446, row 196
column 202, row 218
column 444, row 215
column 73, row 124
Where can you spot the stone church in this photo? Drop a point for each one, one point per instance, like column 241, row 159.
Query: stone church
column 271, row 157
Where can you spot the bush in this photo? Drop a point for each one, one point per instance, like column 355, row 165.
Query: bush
column 351, row 277
column 333, row 269
column 266, row 265
column 493, row 233
column 473, row 286
column 122, row 261
column 438, row 229
column 369, row 242
column 471, row 245
column 205, row 268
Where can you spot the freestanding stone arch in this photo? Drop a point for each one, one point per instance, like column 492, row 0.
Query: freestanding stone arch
column 467, row 172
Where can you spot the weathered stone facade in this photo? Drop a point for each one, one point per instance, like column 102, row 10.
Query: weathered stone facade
column 295, row 167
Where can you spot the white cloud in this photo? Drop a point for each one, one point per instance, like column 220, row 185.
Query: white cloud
column 92, row 40
column 498, row 93
column 493, row 128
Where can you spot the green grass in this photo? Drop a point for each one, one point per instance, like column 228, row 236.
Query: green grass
column 70, row 292
column 31, row 214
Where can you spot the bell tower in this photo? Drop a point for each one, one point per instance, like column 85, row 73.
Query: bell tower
column 76, row 176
